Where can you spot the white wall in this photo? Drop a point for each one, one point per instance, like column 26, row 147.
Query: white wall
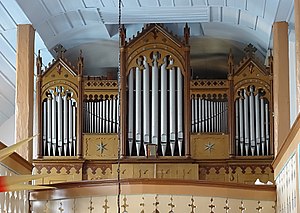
column 7, row 131
column 292, row 76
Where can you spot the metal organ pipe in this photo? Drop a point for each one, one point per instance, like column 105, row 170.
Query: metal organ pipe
column 237, row 125
column 146, row 104
column 262, row 125
column 49, row 123
column 54, row 123
column 252, row 131
column 257, row 123
column 59, row 125
column 267, row 128
column 172, row 108
column 65, row 111
column 71, row 121
column 130, row 111
column 45, row 143
column 164, row 107
column 179, row 110
column 246, row 125
column 138, row 117
column 193, row 113
column 74, row 128
column 155, row 100
column 241, row 122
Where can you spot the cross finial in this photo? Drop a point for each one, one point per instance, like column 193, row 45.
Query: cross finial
column 125, row 205
column 105, row 206
column 211, row 206
column 61, row 207
column 59, row 49
column 91, row 208
column 226, row 207
column 142, row 204
column 192, row 205
column 242, row 208
column 171, row 204
column 259, row 207
column 250, row 50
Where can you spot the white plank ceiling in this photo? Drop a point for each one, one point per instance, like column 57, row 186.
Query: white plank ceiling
column 91, row 25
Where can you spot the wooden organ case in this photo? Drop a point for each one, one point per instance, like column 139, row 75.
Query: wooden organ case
column 171, row 125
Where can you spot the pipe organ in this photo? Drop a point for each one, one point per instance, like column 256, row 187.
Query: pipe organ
column 59, row 122
column 160, row 105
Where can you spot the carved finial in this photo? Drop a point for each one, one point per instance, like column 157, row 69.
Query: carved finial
column 186, row 34
column 250, row 50
column 39, row 63
column 122, row 32
column 80, row 63
column 230, row 63
column 59, row 49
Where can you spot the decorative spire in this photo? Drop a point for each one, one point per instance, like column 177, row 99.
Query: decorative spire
column 39, row 63
column 186, row 34
column 230, row 63
column 122, row 35
column 80, row 63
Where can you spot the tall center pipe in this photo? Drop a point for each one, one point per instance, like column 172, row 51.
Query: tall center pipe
column 65, row 122
column 241, row 122
column 180, row 110
column 172, row 82
column 257, row 123
column 252, row 130
column 54, row 123
column 154, row 100
column 138, row 108
column 130, row 110
column 246, row 125
column 49, row 119
column 146, row 104
column 262, row 125
column 163, row 105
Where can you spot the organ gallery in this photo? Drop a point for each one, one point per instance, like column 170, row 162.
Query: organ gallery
column 156, row 121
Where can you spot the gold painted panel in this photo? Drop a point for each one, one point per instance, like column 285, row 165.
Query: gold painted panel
column 100, row 146
column 209, row 146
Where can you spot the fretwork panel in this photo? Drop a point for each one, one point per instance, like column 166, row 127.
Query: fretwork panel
column 209, row 113
column 155, row 107
column 59, row 123
column 101, row 114
column 252, row 123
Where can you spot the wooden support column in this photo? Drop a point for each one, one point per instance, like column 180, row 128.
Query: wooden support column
column 281, row 84
column 24, row 88
column 297, row 41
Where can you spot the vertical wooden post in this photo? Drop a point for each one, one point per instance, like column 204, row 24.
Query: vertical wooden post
column 79, row 106
column 38, row 104
column 281, row 84
column 24, row 87
column 231, row 121
column 187, row 99
column 122, row 98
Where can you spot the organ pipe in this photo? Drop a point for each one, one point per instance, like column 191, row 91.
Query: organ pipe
column 172, row 108
column 130, row 111
column 164, row 106
column 179, row 110
column 262, row 125
column 154, row 107
column 257, row 123
column 138, row 117
column 146, row 104
column 246, row 124
column 252, row 130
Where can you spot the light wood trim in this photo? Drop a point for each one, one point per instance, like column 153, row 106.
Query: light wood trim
column 157, row 186
column 288, row 147
column 16, row 162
